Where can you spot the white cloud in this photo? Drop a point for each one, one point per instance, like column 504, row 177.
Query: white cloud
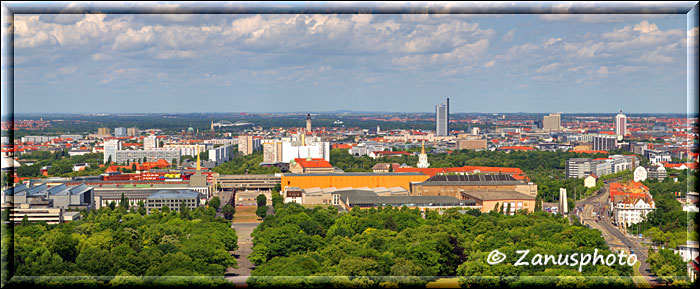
column 508, row 37
column 176, row 54
column 547, row 68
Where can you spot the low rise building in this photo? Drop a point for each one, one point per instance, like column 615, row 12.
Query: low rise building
column 309, row 165
column 173, row 199
column 458, row 185
column 488, row 200
column 347, row 199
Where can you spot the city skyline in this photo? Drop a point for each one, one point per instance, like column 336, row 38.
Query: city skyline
column 359, row 62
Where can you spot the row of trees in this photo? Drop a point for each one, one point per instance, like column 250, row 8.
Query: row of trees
column 401, row 242
column 245, row 164
column 119, row 242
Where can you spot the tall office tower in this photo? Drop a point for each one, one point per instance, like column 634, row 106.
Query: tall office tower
column 120, row 131
column 103, row 130
column 212, row 126
column 442, row 118
column 150, row 142
column 378, row 130
column 111, row 147
column 552, row 122
column 604, row 142
column 132, row 131
column 621, row 124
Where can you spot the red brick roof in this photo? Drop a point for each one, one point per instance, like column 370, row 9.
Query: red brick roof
column 313, row 163
column 520, row 148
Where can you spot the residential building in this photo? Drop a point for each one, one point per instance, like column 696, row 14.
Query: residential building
column 578, row 168
column 590, row 181
column 272, row 152
column 631, row 202
column 132, row 131
column 604, row 142
column 221, row 154
column 442, row 118
column 103, row 131
column 688, row 251
column 120, row 131
column 247, row 144
column 656, row 172
column 150, row 142
column 122, row 156
column 110, row 150
column 640, row 174
column 621, row 124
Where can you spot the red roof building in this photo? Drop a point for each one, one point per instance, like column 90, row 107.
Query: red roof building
column 309, row 165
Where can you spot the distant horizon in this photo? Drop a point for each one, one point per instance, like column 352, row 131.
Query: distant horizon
column 339, row 112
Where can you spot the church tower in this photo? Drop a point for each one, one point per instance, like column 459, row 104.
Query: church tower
column 422, row 158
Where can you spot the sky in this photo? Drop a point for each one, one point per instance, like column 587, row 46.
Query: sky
column 569, row 63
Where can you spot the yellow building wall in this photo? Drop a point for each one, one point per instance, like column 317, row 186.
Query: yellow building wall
column 342, row 181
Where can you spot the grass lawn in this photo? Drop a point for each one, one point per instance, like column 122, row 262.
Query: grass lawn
column 245, row 214
column 444, row 283
column 638, row 278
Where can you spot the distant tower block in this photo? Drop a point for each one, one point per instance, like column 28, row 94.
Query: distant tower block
column 378, row 130
column 212, row 126
column 308, row 122
column 563, row 203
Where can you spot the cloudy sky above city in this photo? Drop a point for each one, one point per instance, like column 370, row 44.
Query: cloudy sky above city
column 323, row 62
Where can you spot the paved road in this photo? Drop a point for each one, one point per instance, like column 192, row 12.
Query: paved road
column 245, row 246
column 239, row 276
column 615, row 238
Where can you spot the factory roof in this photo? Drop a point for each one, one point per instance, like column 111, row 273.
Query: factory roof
column 174, row 194
column 362, row 197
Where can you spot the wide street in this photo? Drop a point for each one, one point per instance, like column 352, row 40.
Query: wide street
column 596, row 214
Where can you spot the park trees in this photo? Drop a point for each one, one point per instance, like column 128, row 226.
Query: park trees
column 98, row 245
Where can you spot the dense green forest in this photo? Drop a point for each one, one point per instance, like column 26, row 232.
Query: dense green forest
column 122, row 244
column 400, row 242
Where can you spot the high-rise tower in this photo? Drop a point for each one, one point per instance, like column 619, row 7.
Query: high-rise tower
column 308, row 122
column 442, row 118
column 621, row 124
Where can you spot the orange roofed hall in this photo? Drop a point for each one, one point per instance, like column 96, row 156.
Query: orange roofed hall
column 351, row 180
